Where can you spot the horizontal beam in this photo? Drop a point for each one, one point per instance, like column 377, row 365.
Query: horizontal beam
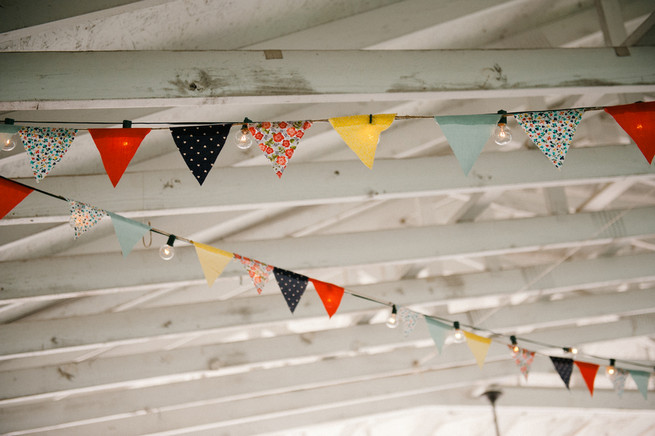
column 173, row 78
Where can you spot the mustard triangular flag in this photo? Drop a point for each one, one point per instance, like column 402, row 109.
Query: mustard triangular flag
column 212, row 260
column 362, row 133
column 479, row 346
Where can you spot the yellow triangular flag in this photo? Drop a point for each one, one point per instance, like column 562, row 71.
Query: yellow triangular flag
column 479, row 346
column 362, row 133
column 213, row 261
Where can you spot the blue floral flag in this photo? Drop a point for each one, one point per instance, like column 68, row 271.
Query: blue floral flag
column 618, row 380
column 641, row 378
column 564, row 368
column 128, row 232
column 439, row 331
column 45, row 146
column 83, row 216
column 467, row 135
column 200, row 146
column 292, row 285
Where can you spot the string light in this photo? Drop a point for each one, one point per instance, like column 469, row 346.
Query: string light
column 502, row 134
column 611, row 370
column 8, row 136
column 167, row 251
column 243, row 136
column 458, row 334
column 571, row 350
column 392, row 321
column 515, row 347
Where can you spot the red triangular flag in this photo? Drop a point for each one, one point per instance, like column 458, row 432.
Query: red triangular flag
column 117, row 148
column 638, row 121
column 12, row 194
column 330, row 295
column 588, row 371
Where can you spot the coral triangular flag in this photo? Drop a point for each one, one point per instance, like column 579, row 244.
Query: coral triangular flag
column 479, row 346
column 564, row 368
column 551, row 131
column 618, row 380
column 278, row 141
column 439, row 331
column 83, row 216
column 212, row 260
column 128, row 232
column 292, row 285
column 330, row 295
column 641, row 379
column 258, row 271
column 467, row 135
column 638, row 121
column 362, row 133
column 11, row 194
column 117, row 148
column 45, row 146
column 200, row 146
column 523, row 359
column 588, row 371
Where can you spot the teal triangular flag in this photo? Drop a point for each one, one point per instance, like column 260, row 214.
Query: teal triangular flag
column 641, row 378
column 467, row 135
column 439, row 331
column 128, row 231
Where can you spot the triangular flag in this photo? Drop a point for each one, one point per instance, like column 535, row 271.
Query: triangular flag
column 128, row 232
column 83, row 216
column 439, row 331
column 564, row 368
column 467, row 135
column 330, row 295
column 641, row 379
column 11, row 194
column 117, row 148
column 45, row 146
column 588, row 371
column 278, row 141
column 638, row 121
column 200, row 146
column 292, row 285
column 551, row 131
column 362, row 133
column 618, row 380
column 479, row 346
column 408, row 319
column 523, row 359
column 258, row 271
column 212, row 260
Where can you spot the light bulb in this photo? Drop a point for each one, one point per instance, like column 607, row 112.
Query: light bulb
column 458, row 334
column 167, row 251
column 610, row 369
column 574, row 351
column 8, row 141
column 502, row 134
column 244, row 139
column 515, row 347
column 392, row 321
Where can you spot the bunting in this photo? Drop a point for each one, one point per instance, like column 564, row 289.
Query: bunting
column 258, row 271
column 117, row 148
column 641, row 379
column 467, row 135
column 588, row 371
column 292, row 285
column 199, row 146
column 212, row 260
column 83, row 216
column 439, row 331
column 523, row 359
column 278, row 141
column 11, row 194
column 408, row 318
column 128, row 232
column 638, row 121
column 479, row 346
column 618, row 380
column 564, row 368
column 45, row 146
column 551, row 131
column 362, row 133
column 330, row 295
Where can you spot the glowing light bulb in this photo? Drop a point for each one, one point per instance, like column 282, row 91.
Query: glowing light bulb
column 515, row 347
column 8, row 141
column 610, row 369
column 458, row 334
column 244, row 139
column 167, row 251
column 574, row 351
column 502, row 134
column 392, row 322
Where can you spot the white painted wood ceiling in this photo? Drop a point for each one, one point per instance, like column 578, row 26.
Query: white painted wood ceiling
column 96, row 344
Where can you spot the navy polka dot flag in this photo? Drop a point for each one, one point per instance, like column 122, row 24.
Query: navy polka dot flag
column 564, row 368
column 200, row 146
column 292, row 285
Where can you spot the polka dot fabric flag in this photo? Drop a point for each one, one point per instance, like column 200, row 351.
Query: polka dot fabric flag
column 45, row 146
column 564, row 368
column 292, row 285
column 83, row 216
column 257, row 271
column 551, row 131
column 523, row 359
column 278, row 141
column 200, row 146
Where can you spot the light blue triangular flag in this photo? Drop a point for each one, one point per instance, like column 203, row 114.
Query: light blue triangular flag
column 128, row 231
column 641, row 378
column 467, row 135
column 439, row 331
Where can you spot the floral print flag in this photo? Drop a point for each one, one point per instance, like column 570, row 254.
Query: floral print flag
column 83, row 216
column 45, row 146
column 258, row 271
column 551, row 131
column 618, row 380
column 278, row 141
column 408, row 319
column 523, row 359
